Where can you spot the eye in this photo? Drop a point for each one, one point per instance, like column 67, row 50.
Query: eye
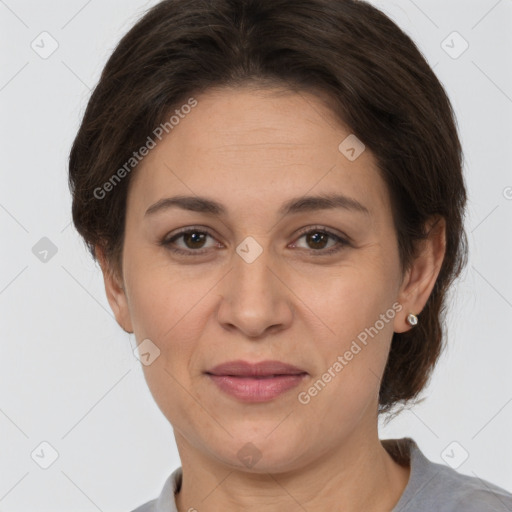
column 194, row 240
column 318, row 237
column 192, row 237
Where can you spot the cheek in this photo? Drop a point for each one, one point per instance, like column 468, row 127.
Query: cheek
column 350, row 300
column 166, row 308
column 170, row 307
column 160, row 294
column 357, row 306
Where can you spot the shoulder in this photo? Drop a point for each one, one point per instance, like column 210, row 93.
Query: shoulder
column 165, row 502
column 434, row 486
column 454, row 491
column 150, row 506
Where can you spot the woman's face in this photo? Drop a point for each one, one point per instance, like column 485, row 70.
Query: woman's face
column 251, row 284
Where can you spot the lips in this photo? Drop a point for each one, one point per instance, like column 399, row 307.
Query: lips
column 256, row 382
column 261, row 369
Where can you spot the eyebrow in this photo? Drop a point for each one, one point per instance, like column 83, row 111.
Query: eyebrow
column 292, row 206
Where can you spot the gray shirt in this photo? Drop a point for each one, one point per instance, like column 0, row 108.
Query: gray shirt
column 432, row 487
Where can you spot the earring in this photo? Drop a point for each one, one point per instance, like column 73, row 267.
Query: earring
column 412, row 319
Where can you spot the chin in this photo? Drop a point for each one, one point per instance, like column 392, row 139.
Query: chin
column 263, row 453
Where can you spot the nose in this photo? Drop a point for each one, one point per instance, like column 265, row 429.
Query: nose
column 256, row 299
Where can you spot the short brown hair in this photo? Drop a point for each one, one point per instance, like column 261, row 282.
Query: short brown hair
column 378, row 84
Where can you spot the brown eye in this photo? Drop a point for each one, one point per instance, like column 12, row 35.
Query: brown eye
column 317, row 240
column 193, row 242
column 194, row 239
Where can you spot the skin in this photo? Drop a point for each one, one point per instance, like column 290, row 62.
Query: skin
column 252, row 150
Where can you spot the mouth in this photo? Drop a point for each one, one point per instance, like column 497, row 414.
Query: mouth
column 260, row 382
column 263, row 369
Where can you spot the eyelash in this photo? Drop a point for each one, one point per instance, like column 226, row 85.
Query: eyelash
column 341, row 242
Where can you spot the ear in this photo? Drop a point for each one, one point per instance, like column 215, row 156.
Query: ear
column 420, row 279
column 115, row 292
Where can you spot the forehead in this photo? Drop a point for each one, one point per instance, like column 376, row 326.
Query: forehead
column 260, row 145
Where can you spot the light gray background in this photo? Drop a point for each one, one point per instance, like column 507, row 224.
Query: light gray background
column 68, row 373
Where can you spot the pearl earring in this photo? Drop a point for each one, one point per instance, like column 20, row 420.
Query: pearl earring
column 412, row 319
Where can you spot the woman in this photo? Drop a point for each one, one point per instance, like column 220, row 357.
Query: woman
column 274, row 192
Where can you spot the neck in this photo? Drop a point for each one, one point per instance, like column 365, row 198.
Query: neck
column 358, row 475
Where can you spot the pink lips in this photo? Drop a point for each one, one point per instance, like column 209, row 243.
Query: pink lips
column 258, row 382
